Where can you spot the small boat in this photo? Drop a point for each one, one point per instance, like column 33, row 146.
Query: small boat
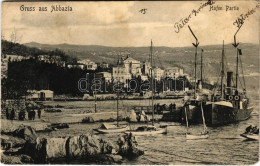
column 250, row 136
column 203, row 135
column 148, row 130
column 251, row 133
column 111, row 128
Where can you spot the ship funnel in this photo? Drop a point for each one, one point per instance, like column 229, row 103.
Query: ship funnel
column 229, row 82
column 229, row 78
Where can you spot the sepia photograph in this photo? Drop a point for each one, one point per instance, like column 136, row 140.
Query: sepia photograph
column 130, row 82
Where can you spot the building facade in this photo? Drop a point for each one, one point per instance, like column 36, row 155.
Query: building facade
column 173, row 72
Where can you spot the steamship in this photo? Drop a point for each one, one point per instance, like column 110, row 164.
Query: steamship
column 226, row 106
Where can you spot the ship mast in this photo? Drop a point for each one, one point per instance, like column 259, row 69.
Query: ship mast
column 235, row 44
column 95, row 93
column 117, row 113
column 222, row 72
column 237, row 69
column 196, row 46
column 151, row 60
column 201, row 66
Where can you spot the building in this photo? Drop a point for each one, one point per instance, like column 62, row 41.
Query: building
column 89, row 65
column 53, row 59
column 158, row 73
column 146, row 68
column 104, row 65
column 132, row 66
column 4, row 67
column 173, row 72
column 121, row 74
column 12, row 58
column 81, row 66
column 106, row 75
column 40, row 95
column 127, row 69
column 144, row 77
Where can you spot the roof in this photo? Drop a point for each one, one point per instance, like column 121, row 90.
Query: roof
column 131, row 59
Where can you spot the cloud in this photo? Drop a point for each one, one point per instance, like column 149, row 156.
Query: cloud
column 91, row 13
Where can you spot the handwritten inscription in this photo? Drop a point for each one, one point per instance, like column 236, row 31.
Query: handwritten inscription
column 183, row 21
column 54, row 8
column 143, row 11
column 241, row 19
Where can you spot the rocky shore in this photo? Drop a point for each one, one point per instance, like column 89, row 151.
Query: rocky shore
column 23, row 145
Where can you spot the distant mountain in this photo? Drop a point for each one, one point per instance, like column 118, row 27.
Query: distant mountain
column 167, row 56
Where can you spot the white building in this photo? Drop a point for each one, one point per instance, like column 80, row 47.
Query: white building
column 40, row 95
column 121, row 74
column 158, row 73
column 89, row 65
column 173, row 72
column 12, row 58
column 132, row 66
column 81, row 66
column 126, row 69
column 106, row 75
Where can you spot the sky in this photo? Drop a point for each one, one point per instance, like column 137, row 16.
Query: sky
column 121, row 24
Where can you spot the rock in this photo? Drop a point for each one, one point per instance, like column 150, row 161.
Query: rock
column 51, row 110
column 46, row 149
column 8, row 142
column 20, row 159
column 147, row 118
column 10, row 159
column 128, row 146
column 55, row 148
column 132, row 116
column 110, row 158
column 83, row 146
column 142, row 119
column 142, row 113
column 25, row 132
column 108, row 147
column 88, row 119
column 26, row 159
column 59, row 125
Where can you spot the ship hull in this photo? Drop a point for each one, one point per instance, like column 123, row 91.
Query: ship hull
column 217, row 114
column 221, row 114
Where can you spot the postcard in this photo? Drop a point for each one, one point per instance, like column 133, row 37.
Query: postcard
column 130, row 82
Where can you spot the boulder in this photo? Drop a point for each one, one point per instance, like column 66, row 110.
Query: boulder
column 142, row 119
column 59, row 125
column 10, row 159
column 83, row 146
column 110, row 158
column 88, row 119
column 20, row 159
column 55, row 148
column 46, row 149
column 132, row 116
column 26, row 132
column 8, row 142
column 128, row 146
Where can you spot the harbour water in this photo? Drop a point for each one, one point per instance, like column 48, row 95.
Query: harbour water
column 224, row 146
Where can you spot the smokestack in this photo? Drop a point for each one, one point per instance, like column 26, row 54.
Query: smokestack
column 229, row 82
column 229, row 78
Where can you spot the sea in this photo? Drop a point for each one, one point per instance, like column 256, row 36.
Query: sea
column 224, row 146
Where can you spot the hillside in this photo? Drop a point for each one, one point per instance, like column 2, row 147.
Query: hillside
column 166, row 56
